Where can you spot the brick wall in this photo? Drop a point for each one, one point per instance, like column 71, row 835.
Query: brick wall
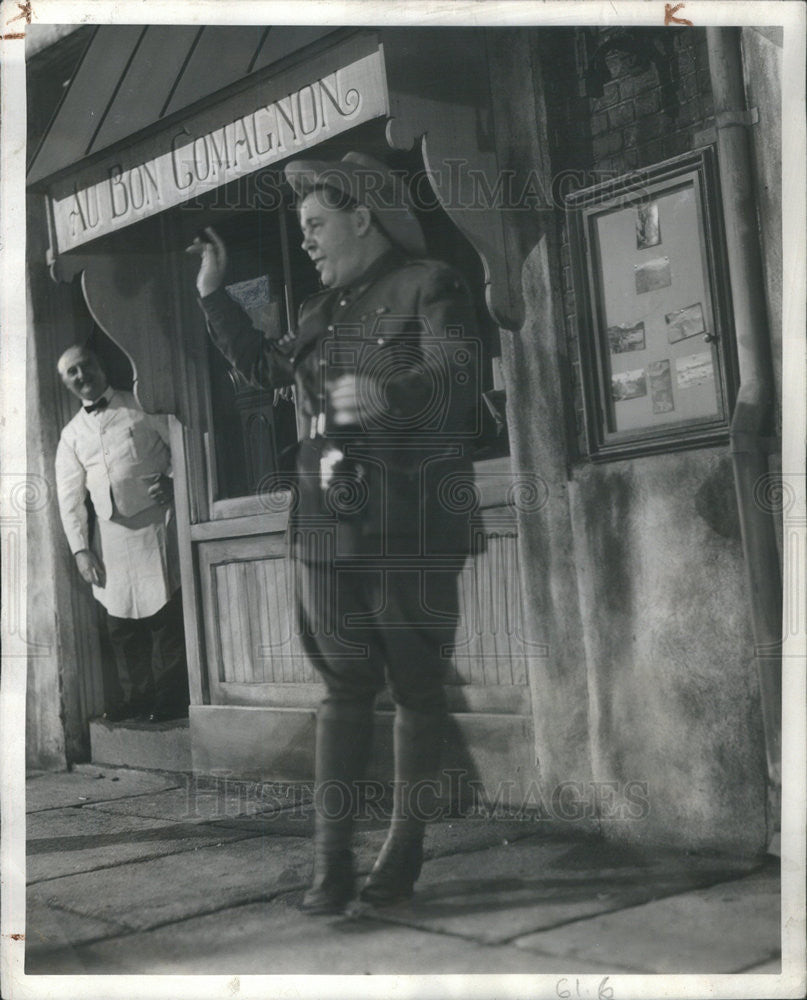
column 631, row 127
column 634, row 124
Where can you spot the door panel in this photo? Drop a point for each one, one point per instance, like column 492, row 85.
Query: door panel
column 490, row 647
column 247, row 594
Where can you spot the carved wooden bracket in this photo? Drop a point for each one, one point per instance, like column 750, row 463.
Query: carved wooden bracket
column 129, row 296
column 473, row 173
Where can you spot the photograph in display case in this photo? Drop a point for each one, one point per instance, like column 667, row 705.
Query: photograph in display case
column 685, row 323
column 648, row 232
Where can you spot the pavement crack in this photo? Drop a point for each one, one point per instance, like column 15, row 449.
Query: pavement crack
column 382, row 918
column 99, row 802
column 622, row 907
column 142, row 860
column 61, row 908
column 123, row 931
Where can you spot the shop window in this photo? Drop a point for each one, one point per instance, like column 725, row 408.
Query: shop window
column 255, row 430
column 650, row 279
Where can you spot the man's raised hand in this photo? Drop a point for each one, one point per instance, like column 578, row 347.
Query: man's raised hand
column 214, row 261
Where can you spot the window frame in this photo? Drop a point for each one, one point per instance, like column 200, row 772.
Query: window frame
column 224, row 508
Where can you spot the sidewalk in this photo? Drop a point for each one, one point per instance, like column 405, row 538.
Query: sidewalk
column 144, row 872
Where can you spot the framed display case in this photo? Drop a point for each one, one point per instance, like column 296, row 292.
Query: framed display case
column 653, row 309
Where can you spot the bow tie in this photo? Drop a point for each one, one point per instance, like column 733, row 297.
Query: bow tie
column 101, row 404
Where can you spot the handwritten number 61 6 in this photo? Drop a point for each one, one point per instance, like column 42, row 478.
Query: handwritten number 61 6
column 564, row 991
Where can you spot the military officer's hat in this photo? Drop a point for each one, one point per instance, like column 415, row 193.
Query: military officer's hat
column 366, row 181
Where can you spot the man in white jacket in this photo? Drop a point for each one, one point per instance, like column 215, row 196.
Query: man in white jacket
column 121, row 457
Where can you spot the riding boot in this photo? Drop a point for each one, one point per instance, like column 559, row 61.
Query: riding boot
column 344, row 735
column 417, row 740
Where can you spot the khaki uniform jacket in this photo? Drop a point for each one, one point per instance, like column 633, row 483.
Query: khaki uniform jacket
column 407, row 328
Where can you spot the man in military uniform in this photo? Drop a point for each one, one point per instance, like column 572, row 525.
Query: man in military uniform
column 385, row 364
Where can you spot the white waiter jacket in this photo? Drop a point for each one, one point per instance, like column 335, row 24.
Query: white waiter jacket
column 113, row 454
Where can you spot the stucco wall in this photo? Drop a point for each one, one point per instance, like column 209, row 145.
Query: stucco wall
column 535, row 405
column 672, row 680
column 762, row 71
column 673, row 691
column 558, row 677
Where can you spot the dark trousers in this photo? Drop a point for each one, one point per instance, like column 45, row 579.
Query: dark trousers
column 364, row 626
column 149, row 656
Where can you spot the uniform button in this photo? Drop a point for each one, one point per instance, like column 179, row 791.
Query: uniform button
column 343, row 302
column 380, row 341
column 330, row 328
